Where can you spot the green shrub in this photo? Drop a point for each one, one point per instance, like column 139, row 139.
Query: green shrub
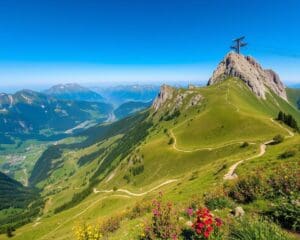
column 136, row 170
column 140, row 209
column 244, row 145
column 171, row 141
column 164, row 223
column 283, row 182
column 287, row 154
column 286, row 211
column 278, row 139
column 247, row 189
column 110, row 225
column 217, row 202
column 248, row 229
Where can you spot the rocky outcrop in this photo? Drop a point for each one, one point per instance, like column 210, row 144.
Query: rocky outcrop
column 166, row 93
column 248, row 70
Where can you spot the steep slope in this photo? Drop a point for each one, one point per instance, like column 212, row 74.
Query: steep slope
column 13, row 194
column 129, row 108
column 28, row 114
column 18, row 204
column 73, row 91
column 294, row 96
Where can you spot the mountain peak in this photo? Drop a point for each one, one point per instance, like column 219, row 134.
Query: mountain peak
column 246, row 68
column 67, row 87
column 165, row 93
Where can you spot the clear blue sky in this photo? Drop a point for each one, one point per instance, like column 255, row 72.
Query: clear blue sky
column 50, row 41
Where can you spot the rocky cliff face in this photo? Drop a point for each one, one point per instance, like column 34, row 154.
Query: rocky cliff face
column 166, row 92
column 248, row 70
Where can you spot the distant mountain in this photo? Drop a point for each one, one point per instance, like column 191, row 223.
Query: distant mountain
column 121, row 94
column 28, row 113
column 129, row 108
column 73, row 91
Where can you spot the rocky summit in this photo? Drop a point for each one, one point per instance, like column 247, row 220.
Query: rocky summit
column 247, row 69
column 166, row 92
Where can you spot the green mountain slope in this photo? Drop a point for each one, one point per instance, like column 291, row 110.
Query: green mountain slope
column 14, row 194
column 294, row 96
column 129, row 108
column 18, row 204
column 184, row 148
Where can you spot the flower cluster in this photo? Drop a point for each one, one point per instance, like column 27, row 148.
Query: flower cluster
column 205, row 224
column 164, row 224
column 87, row 232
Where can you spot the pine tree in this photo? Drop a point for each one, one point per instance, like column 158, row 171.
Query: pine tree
column 280, row 116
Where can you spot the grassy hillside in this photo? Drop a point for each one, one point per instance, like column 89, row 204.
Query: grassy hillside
column 294, row 96
column 184, row 149
column 129, row 108
column 18, row 204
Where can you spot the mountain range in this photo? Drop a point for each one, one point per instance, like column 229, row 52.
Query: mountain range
column 28, row 113
column 74, row 92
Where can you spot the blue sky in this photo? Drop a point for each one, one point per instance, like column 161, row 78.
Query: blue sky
column 146, row 41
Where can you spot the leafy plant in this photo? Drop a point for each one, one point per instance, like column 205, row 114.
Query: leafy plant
column 217, row 202
column 286, row 211
column 287, row 154
column 248, row 229
column 164, row 223
column 278, row 139
column 247, row 189
column 244, row 145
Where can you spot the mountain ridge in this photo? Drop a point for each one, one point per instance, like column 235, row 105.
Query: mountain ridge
column 247, row 69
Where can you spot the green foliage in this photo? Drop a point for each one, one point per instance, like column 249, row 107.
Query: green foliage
column 164, row 223
column 288, row 119
column 247, row 189
column 244, row 144
column 286, row 211
column 127, row 178
column 22, row 217
column 13, row 194
column 9, row 231
column 215, row 201
column 46, row 164
column 90, row 157
column 171, row 141
column 287, row 154
column 278, row 139
column 136, row 170
column 139, row 209
column 172, row 116
column 112, row 224
column 248, row 229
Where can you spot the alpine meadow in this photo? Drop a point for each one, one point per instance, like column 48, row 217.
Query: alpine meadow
column 158, row 139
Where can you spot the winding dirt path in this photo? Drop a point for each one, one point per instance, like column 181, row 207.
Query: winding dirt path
column 231, row 172
column 136, row 194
